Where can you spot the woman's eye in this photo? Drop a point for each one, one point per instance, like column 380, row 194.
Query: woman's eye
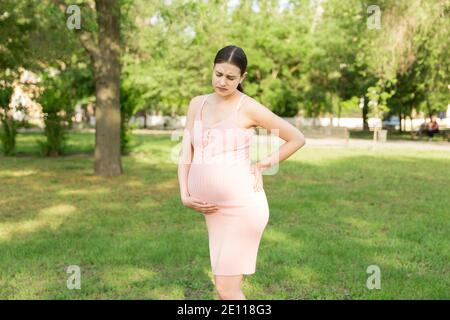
column 219, row 75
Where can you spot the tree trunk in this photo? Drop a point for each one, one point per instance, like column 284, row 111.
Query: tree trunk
column 365, row 112
column 107, row 82
column 145, row 119
column 404, row 122
column 105, row 57
column 339, row 115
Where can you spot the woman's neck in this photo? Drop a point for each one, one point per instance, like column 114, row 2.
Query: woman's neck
column 227, row 98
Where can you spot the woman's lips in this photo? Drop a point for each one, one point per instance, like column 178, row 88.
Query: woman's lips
column 222, row 89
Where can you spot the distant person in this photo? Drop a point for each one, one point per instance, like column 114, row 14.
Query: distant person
column 423, row 128
column 432, row 128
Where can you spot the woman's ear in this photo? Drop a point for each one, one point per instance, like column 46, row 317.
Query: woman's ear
column 243, row 77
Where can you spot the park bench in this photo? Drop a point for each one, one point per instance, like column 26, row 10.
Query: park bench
column 443, row 132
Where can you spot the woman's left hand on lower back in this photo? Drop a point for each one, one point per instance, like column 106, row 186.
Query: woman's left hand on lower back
column 257, row 173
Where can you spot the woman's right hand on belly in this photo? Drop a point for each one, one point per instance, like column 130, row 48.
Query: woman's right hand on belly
column 200, row 206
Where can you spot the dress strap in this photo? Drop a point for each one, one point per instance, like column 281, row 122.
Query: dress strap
column 203, row 103
column 236, row 112
column 240, row 100
column 206, row 96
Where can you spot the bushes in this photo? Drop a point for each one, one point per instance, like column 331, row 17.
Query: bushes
column 55, row 132
column 131, row 99
column 125, row 132
column 57, row 107
column 61, row 92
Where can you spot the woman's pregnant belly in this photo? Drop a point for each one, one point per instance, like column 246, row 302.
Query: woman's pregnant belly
column 220, row 184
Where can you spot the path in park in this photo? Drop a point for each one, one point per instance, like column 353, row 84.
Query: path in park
column 367, row 144
column 352, row 143
column 323, row 142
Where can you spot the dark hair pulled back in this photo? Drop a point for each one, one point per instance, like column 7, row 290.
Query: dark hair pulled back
column 233, row 55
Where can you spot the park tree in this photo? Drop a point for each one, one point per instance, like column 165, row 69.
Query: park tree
column 432, row 58
column 99, row 34
column 32, row 40
column 176, row 43
column 277, row 52
column 408, row 55
column 170, row 51
column 16, row 27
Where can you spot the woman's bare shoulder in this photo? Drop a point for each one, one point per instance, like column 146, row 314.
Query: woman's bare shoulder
column 197, row 100
column 195, row 103
column 251, row 105
column 194, row 107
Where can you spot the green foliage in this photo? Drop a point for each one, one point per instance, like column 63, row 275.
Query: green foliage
column 56, row 106
column 60, row 93
column 55, row 133
column 33, row 36
column 319, row 57
column 299, row 58
column 349, row 107
column 130, row 102
column 378, row 96
column 411, row 51
column 279, row 97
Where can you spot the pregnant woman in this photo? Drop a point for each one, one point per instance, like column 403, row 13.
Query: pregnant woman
column 216, row 175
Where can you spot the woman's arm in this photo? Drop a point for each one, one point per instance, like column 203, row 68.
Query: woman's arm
column 186, row 153
column 263, row 117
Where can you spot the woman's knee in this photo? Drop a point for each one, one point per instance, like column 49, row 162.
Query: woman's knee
column 229, row 294
column 228, row 287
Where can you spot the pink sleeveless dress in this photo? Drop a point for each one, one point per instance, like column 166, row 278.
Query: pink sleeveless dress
column 220, row 173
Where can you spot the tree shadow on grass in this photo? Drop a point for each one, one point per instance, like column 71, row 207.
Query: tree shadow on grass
column 134, row 223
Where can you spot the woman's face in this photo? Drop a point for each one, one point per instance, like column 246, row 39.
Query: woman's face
column 226, row 78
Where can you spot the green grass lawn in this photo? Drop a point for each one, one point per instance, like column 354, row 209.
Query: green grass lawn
column 333, row 213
